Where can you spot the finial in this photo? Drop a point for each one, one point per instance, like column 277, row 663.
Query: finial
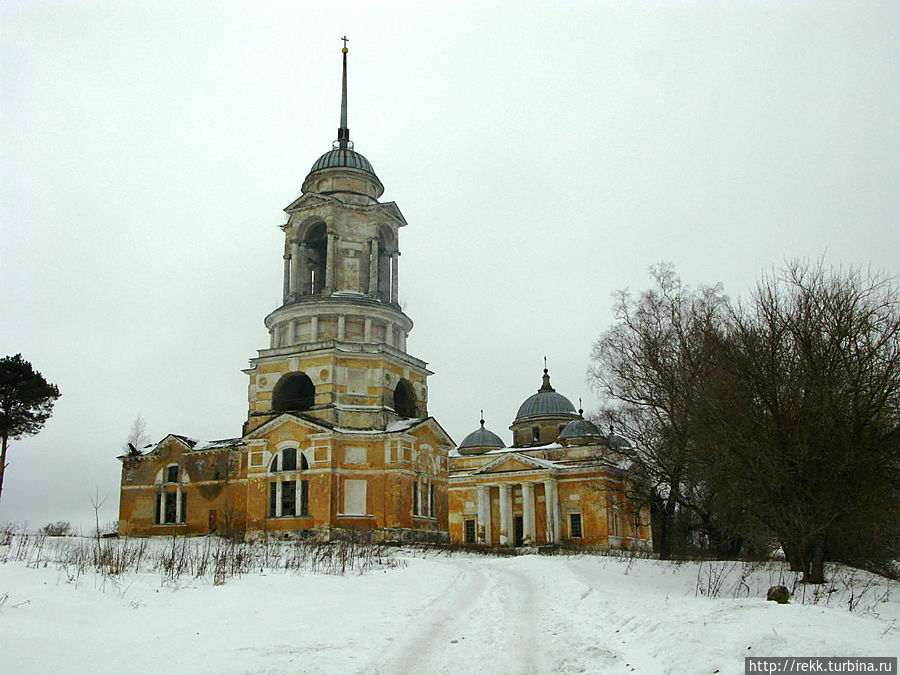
column 545, row 364
column 343, row 139
column 482, row 418
column 545, row 385
column 580, row 410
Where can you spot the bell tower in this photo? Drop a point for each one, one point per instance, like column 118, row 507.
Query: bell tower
column 337, row 350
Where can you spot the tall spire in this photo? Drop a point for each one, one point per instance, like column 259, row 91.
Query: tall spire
column 343, row 139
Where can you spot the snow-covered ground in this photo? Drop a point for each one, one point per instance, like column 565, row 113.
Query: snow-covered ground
column 426, row 612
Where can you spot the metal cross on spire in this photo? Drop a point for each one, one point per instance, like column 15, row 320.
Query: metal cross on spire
column 343, row 139
column 346, row 40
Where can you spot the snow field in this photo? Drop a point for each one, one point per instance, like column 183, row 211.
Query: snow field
column 433, row 613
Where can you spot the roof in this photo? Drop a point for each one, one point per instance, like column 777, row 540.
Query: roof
column 580, row 428
column 547, row 401
column 342, row 158
column 482, row 438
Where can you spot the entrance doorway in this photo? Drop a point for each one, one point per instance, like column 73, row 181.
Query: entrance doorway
column 519, row 529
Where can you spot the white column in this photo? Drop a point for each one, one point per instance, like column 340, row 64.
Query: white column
column 290, row 333
column 298, row 488
column 484, row 514
column 506, row 538
column 296, row 266
column 373, row 268
column 528, row 513
column 330, row 262
column 395, row 258
column 340, row 331
column 314, row 329
column 278, row 497
column 549, row 510
column 367, row 331
column 178, row 504
column 286, row 294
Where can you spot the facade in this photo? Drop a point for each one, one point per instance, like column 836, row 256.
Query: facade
column 337, row 437
column 562, row 482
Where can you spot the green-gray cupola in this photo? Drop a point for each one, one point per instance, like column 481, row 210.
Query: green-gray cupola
column 480, row 441
column 542, row 416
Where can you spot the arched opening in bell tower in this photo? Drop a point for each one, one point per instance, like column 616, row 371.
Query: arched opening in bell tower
column 386, row 248
column 315, row 244
column 294, row 392
column 404, row 399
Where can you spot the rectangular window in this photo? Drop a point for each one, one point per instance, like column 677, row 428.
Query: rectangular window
column 170, row 507
column 182, row 517
column 355, row 497
column 575, row 525
column 416, row 498
column 470, row 531
column 289, row 459
column 431, row 500
column 273, row 499
column 159, row 499
column 172, row 474
column 535, row 433
column 288, row 498
column 304, row 497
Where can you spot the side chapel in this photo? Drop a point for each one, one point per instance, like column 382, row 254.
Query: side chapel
column 338, row 441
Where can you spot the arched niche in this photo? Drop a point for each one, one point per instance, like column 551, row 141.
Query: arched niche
column 404, row 399
column 294, row 391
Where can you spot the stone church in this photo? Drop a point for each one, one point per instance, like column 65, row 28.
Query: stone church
column 338, row 441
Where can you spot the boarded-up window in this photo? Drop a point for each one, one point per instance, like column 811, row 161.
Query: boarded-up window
column 289, row 459
column 470, row 531
column 355, row 497
column 288, row 498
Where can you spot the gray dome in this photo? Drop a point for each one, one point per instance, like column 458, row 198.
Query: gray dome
column 545, row 403
column 342, row 158
column 580, row 428
column 481, row 438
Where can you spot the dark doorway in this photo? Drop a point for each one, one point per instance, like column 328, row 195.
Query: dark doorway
column 294, row 392
column 520, row 530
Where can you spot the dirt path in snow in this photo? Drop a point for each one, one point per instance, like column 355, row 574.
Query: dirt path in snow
column 485, row 621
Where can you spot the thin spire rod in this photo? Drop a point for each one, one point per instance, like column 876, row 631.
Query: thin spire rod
column 343, row 130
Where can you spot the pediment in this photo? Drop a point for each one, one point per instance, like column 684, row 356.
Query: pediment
column 302, row 424
column 308, row 201
column 513, row 462
column 435, row 433
column 391, row 210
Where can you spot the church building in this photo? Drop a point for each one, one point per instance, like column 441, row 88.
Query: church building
column 338, row 441
column 561, row 482
column 337, row 438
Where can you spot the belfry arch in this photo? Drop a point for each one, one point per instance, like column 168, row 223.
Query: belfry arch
column 314, row 262
column 404, row 399
column 294, row 391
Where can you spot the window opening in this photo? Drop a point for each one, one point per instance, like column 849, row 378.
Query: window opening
column 304, row 497
column 304, row 465
column 156, row 519
column 575, row 525
column 416, row 498
column 404, row 399
column 535, row 433
column 431, row 500
column 172, row 474
column 519, row 529
column 470, row 531
column 273, row 499
column 170, row 507
column 182, row 517
column 289, row 459
column 288, row 498
column 294, row 392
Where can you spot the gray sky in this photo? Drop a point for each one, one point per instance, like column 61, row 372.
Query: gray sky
column 544, row 155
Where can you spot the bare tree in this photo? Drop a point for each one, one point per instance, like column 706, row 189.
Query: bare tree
column 137, row 437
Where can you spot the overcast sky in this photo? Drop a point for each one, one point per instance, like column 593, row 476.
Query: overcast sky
column 544, row 154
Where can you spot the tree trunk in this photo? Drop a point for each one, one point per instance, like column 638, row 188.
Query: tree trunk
column 815, row 573
column 792, row 553
column 3, row 461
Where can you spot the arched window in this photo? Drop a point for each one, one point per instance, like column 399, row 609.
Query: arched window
column 171, row 496
column 313, row 266
column 288, row 492
column 404, row 399
column 294, row 392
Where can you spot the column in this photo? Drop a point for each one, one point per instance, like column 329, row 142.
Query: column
column 389, row 333
column 287, row 278
column 298, row 488
column 340, row 331
column 367, row 331
column 528, row 514
column 302, row 272
column 395, row 258
column 551, row 506
column 296, row 266
column 178, row 504
column 314, row 329
column 330, row 262
column 373, row 268
column 272, row 339
column 290, row 333
column 278, row 497
column 506, row 534
column 484, row 514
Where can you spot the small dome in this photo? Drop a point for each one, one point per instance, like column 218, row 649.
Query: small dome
column 618, row 443
column 342, row 158
column 480, row 440
column 580, row 428
column 545, row 402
